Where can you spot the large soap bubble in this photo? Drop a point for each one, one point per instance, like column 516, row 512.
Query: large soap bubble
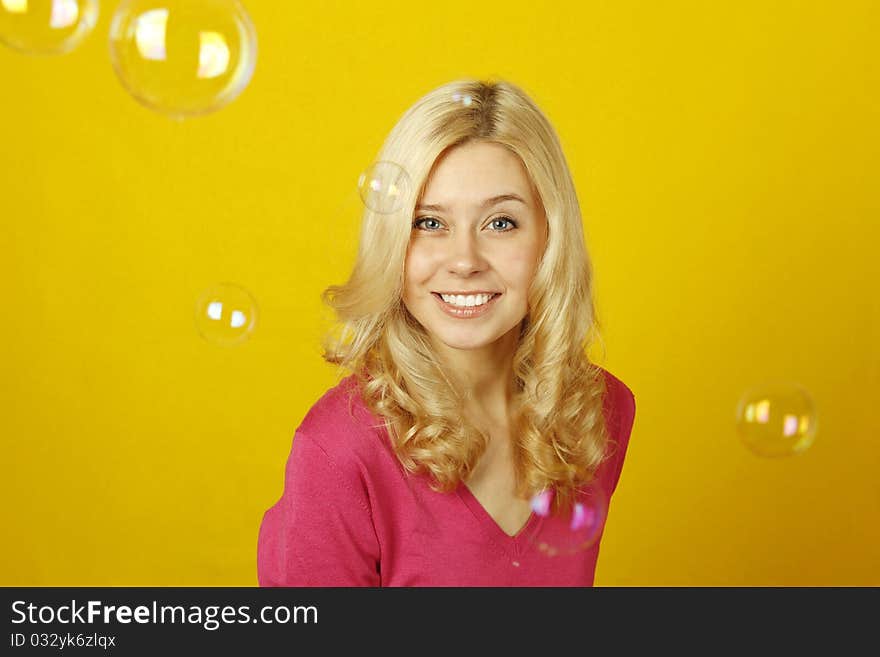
column 183, row 58
column 384, row 187
column 777, row 418
column 226, row 314
column 578, row 530
column 46, row 27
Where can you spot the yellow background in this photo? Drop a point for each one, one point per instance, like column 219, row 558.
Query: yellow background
column 726, row 158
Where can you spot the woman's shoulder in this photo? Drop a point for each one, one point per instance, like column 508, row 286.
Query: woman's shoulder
column 620, row 401
column 341, row 424
column 620, row 409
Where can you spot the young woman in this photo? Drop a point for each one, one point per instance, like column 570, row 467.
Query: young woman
column 466, row 324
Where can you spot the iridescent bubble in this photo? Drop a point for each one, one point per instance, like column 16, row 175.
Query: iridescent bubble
column 577, row 530
column 384, row 187
column 46, row 27
column 226, row 314
column 541, row 502
column 777, row 419
column 183, row 57
column 464, row 99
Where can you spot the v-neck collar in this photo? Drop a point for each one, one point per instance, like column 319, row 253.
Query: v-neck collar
column 515, row 545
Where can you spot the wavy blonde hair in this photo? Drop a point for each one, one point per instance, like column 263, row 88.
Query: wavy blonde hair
column 558, row 427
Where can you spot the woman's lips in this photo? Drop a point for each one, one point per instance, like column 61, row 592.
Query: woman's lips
column 466, row 312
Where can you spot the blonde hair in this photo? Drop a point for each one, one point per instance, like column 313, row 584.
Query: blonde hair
column 558, row 427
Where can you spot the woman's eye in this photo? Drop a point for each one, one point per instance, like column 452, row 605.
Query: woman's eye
column 418, row 223
column 508, row 220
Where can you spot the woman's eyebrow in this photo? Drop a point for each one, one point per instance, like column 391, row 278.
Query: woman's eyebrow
column 489, row 202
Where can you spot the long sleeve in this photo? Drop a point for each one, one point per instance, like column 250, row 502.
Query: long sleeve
column 320, row 533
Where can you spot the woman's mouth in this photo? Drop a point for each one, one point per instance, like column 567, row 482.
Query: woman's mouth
column 466, row 312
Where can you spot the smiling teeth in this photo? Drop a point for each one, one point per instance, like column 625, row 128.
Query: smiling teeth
column 465, row 301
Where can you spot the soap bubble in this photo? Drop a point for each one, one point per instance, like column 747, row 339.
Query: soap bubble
column 577, row 530
column 384, row 187
column 777, row 419
column 464, row 99
column 46, row 27
column 226, row 314
column 183, row 57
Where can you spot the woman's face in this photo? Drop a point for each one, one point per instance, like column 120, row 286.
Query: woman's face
column 477, row 228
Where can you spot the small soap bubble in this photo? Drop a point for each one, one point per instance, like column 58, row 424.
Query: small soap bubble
column 777, row 419
column 226, row 314
column 46, row 27
column 183, row 58
column 384, row 187
column 464, row 99
column 541, row 502
column 577, row 530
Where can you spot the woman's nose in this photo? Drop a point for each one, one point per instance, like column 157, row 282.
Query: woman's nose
column 465, row 253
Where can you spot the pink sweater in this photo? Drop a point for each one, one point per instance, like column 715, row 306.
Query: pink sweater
column 350, row 515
